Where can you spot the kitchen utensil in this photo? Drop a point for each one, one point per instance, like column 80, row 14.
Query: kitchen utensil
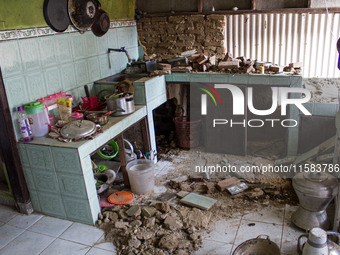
column 82, row 13
column 129, row 152
column 77, row 116
column 121, row 105
column 120, row 197
column 56, row 14
column 125, row 87
column 101, row 22
column 257, row 246
column 108, row 113
column 315, row 191
column 97, row 117
column 78, row 129
column 316, row 244
column 38, row 119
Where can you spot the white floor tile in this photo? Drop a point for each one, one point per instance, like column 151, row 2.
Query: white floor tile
column 267, row 214
column 24, row 221
column 290, row 237
column 8, row 233
column 248, row 231
column 61, row 247
column 223, row 231
column 27, row 243
column 96, row 251
column 7, row 213
column 214, row 248
column 50, row 226
column 81, row 233
column 289, row 210
column 105, row 246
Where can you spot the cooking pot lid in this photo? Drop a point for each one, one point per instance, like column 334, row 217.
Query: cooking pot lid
column 78, row 129
column 56, row 14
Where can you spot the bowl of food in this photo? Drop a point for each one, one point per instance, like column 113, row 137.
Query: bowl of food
column 100, row 118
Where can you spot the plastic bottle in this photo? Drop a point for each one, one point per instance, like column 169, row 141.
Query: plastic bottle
column 25, row 128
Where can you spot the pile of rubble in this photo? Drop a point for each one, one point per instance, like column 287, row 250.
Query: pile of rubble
column 159, row 228
column 204, row 63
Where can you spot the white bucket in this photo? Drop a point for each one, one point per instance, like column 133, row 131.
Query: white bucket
column 141, row 175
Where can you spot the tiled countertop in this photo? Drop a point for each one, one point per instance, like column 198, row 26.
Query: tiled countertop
column 115, row 126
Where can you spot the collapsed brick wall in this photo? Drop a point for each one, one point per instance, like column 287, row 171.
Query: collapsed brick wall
column 170, row 36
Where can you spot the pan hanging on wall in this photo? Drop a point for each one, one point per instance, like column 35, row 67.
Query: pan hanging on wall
column 56, row 14
column 102, row 21
column 82, row 13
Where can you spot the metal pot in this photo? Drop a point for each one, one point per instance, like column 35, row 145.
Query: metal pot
column 97, row 117
column 257, row 246
column 82, row 13
column 101, row 23
column 120, row 104
column 315, row 191
column 78, row 129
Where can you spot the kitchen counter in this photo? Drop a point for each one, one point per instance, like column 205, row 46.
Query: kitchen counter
column 59, row 175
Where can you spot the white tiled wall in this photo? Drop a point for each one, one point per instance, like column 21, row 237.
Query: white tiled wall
column 37, row 66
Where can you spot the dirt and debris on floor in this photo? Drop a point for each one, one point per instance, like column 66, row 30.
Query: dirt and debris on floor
column 159, row 223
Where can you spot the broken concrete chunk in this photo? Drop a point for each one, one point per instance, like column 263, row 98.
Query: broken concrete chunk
column 182, row 193
column 162, row 206
column 144, row 235
column 168, row 242
column 202, row 59
column 172, row 223
column 148, row 211
column 134, row 242
column 255, row 193
column 185, row 186
column 121, row 224
column 295, row 65
column 224, row 184
column 149, row 222
column 234, row 64
column 133, row 211
column 106, row 220
column 100, row 216
column 166, row 197
column 136, row 223
column 276, row 69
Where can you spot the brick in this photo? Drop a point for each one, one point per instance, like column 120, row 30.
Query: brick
column 176, row 18
column 217, row 44
column 224, row 184
column 215, row 17
column 196, row 17
column 276, row 69
column 295, row 65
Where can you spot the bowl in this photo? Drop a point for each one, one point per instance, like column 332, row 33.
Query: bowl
column 98, row 118
column 112, row 144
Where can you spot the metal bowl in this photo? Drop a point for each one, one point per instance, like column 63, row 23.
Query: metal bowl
column 257, row 246
column 97, row 117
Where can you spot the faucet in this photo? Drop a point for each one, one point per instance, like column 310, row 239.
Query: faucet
column 122, row 49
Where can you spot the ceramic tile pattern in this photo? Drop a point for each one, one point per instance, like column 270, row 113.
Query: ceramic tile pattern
column 40, row 65
column 55, row 236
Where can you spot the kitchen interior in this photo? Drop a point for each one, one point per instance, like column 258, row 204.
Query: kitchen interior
column 102, row 127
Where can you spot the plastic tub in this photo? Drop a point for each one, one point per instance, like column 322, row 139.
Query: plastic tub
column 141, row 175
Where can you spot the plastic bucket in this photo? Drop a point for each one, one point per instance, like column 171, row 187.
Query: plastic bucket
column 141, row 175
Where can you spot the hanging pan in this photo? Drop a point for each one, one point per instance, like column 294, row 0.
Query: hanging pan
column 56, row 14
column 82, row 13
column 101, row 22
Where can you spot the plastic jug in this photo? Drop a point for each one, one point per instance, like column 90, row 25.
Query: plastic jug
column 38, row 118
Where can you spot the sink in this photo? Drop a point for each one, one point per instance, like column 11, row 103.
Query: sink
column 121, row 77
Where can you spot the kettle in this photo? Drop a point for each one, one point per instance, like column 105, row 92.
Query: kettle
column 129, row 152
column 317, row 243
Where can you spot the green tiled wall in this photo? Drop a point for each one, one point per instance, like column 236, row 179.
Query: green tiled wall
column 38, row 66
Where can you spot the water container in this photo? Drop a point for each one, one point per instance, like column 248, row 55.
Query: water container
column 141, row 175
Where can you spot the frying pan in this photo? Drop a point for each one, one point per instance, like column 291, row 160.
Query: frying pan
column 56, row 14
column 101, row 23
column 82, row 13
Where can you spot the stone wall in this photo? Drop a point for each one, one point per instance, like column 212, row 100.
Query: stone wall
column 170, row 36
